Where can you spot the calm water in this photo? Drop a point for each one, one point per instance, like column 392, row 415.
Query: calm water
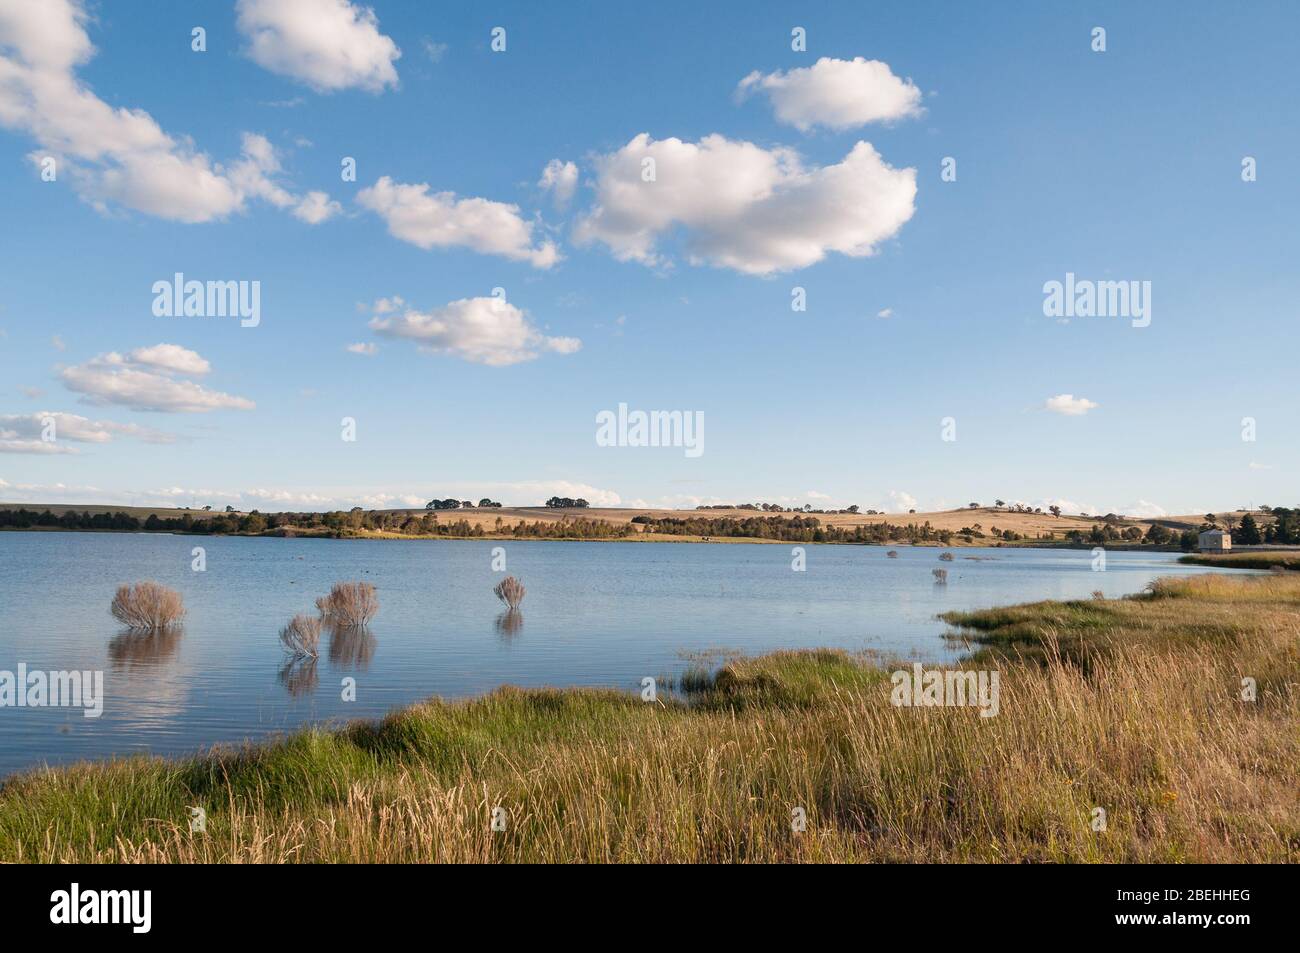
column 595, row 614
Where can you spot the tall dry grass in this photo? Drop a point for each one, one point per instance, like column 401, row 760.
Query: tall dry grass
column 1122, row 707
column 510, row 591
column 147, row 607
column 301, row 637
column 349, row 604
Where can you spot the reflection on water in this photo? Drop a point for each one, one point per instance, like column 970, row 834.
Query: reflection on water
column 509, row 623
column 351, row 647
column 599, row 614
column 129, row 650
column 299, row 675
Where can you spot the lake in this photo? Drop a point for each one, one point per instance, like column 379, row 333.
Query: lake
column 606, row 614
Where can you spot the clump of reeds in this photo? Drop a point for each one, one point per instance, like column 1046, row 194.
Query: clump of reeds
column 946, row 557
column 349, row 603
column 892, row 554
column 510, row 591
column 301, row 636
column 940, row 576
column 147, row 606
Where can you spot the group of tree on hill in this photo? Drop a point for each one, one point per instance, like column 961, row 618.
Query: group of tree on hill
column 450, row 504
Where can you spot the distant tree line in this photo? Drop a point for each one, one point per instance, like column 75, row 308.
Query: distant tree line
column 799, row 529
column 567, row 503
column 450, row 504
column 776, row 508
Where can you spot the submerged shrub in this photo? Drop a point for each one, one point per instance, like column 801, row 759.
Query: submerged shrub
column 940, row 575
column 892, row 554
column 147, row 606
column 349, row 603
column 510, row 591
column 301, row 636
column 946, row 557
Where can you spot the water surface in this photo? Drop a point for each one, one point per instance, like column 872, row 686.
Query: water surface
column 604, row 614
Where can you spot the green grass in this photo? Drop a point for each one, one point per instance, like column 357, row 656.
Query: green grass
column 1132, row 705
column 1265, row 560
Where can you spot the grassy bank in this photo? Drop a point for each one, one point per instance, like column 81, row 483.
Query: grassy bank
column 1130, row 705
column 1261, row 560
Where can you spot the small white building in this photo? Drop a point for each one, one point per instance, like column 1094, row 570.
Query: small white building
column 1214, row 541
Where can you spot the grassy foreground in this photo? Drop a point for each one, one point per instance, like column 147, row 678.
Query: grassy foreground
column 1130, row 705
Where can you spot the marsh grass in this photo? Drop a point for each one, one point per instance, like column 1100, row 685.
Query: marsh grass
column 349, row 604
column 510, row 591
column 1132, row 705
column 147, row 607
column 301, row 637
column 1275, row 561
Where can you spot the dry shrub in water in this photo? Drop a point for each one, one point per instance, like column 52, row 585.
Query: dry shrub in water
column 301, row 636
column 892, row 554
column 940, row 575
column 147, row 606
column 349, row 603
column 946, row 557
column 510, row 591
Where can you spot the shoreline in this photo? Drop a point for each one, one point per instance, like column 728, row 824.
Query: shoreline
column 595, row 774
column 1110, row 546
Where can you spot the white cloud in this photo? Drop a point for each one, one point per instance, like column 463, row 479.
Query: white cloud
column 23, row 433
column 885, row 313
column 434, row 50
column 112, row 155
column 900, row 502
column 367, row 349
column 838, row 94
column 316, row 207
column 814, row 495
column 561, row 180
column 266, row 499
column 327, row 44
column 145, row 380
column 745, row 207
column 480, row 330
column 56, row 342
column 170, row 359
column 442, row 220
column 1069, row 405
column 1143, row 509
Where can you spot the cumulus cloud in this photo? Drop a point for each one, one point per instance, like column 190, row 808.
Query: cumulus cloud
column 368, row 349
column 113, row 155
column 327, row 44
column 561, row 180
column 170, row 359
column 146, row 379
column 837, row 94
column 316, row 207
column 900, row 502
column 744, row 207
column 26, row 433
column 487, row 331
column 442, row 220
column 1069, row 405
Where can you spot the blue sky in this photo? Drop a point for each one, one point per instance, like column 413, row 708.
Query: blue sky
column 1117, row 165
